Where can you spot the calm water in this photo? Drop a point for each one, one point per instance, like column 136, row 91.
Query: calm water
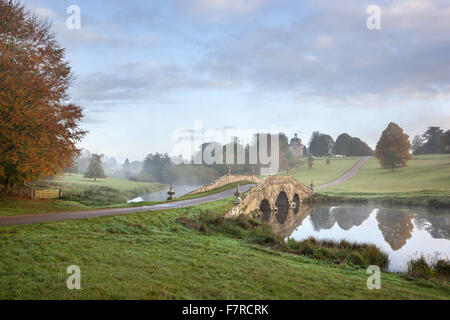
column 401, row 233
column 180, row 190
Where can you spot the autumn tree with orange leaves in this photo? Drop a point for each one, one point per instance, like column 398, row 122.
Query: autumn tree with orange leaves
column 393, row 147
column 39, row 126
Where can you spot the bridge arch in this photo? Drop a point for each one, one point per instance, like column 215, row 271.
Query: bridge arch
column 280, row 193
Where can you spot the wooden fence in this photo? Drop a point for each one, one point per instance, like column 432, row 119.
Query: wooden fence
column 33, row 193
column 46, row 194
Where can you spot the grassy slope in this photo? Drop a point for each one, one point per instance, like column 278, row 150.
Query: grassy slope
column 321, row 172
column 124, row 189
column 10, row 206
column 150, row 256
column 75, row 181
column 426, row 175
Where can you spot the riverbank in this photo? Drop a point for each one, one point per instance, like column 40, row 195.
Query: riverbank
column 417, row 201
column 152, row 256
column 424, row 182
column 100, row 193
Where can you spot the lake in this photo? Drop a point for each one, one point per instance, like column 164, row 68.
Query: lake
column 401, row 233
column 180, row 190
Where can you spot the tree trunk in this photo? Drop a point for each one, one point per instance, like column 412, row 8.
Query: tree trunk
column 8, row 186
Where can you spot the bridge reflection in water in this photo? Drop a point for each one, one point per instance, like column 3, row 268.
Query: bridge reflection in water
column 286, row 218
column 399, row 232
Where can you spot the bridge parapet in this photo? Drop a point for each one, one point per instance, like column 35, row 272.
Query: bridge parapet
column 227, row 179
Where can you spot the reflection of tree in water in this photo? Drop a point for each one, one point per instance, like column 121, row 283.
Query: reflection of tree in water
column 322, row 218
column 348, row 217
column 437, row 226
column 396, row 227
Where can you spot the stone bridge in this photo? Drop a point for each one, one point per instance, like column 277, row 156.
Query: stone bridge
column 275, row 197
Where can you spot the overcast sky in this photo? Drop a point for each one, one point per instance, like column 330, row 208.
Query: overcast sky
column 146, row 69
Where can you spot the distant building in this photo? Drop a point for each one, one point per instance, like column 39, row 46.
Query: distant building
column 296, row 146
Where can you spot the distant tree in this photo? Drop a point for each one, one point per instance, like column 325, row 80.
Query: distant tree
column 342, row 145
column 126, row 169
column 359, row 148
column 284, row 153
column 351, row 146
column 39, row 126
column 433, row 140
column 95, row 169
column 321, row 145
column 83, row 161
column 446, row 142
column 73, row 168
column 110, row 165
column 310, row 160
column 155, row 165
column 417, row 145
column 393, row 147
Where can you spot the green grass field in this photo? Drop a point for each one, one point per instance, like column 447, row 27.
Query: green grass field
column 151, row 256
column 321, row 172
column 75, row 181
column 10, row 206
column 425, row 175
column 79, row 194
column 100, row 193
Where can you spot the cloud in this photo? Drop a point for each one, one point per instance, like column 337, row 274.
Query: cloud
column 107, row 31
column 332, row 53
column 215, row 10
column 138, row 81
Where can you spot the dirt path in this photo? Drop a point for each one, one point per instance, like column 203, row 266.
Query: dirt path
column 350, row 173
column 39, row 218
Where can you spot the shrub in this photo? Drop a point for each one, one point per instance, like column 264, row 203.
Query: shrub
column 374, row 256
column 419, row 268
column 435, row 268
column 345, row 252
column 355, row 258
column 188, row 222
column 204, row 228
column 442, row 267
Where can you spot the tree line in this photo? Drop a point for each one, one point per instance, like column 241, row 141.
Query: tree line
column 434, row 140
column 323, row 145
